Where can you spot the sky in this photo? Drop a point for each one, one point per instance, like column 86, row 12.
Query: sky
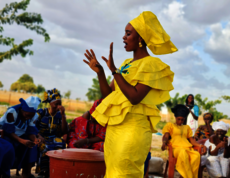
column 199, row 29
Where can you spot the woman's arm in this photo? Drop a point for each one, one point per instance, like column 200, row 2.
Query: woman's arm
column 165, row 141
column 64, row 125
column 194, row 143
column 135, row 94
column 96, row 67
column 193, row 115
column 80, row 143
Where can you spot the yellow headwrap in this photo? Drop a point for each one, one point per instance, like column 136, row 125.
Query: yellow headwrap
column 150, row 29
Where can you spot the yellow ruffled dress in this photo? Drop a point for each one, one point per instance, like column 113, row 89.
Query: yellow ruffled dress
column 130, row 127
column 188, row 160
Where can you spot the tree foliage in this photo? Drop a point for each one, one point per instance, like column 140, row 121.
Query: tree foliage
column 1, row 85
column 25, row 78
column 94, row 92
column 40, row 89
column 172, row 102
column 67, row 94
column 25, row 83
column 29, row 20
column 226, row 98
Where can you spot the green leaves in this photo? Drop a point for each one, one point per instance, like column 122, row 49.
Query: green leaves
column 29, row 20
column 94, row 93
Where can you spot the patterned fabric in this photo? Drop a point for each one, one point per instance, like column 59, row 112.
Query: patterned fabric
column 217, row 166
column 51, row 95
column 50, row 129
column 81, row 128
column 202, row 133
column 18, row 126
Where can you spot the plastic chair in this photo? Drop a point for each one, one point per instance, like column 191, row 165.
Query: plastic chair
column 171, row 163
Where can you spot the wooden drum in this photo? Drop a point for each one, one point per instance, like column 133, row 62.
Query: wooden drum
column 76, row 163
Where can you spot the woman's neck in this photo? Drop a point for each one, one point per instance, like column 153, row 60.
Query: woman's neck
column 140, row 53
column 52, row 112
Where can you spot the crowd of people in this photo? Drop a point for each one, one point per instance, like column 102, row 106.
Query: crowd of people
column 121, row 124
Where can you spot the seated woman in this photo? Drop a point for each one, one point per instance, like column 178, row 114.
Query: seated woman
column 218, row 145
column 19, row 129
column 52, row 125
column 188, row 160
column 7, row 157
column 204, row 131
column 85, row 132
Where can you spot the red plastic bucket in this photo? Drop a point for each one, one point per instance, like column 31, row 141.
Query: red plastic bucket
column 76, row 163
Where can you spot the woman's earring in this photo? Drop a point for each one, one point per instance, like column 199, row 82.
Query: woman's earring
column 140, row 45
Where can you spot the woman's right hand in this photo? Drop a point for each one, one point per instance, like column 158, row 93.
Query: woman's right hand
column 28, row 143
column 164, row 146
column 92, row 61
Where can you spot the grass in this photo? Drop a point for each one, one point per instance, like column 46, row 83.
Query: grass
column 70, row 114
column 228, row 134
column 82, row 111
column 4, row 103
column 161, row 124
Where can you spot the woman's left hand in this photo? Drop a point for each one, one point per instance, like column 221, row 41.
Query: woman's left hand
column 62, row 109
column 110, row 62
column 80, row 143
column 203, row 150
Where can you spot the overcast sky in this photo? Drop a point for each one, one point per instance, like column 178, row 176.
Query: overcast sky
column 200, row 30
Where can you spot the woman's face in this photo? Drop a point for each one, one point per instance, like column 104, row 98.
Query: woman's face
column 220, row 133
column 190, row 99
column 179, row 120
column 54, row 105
column 131, row 38
column 27, row 115
column 207, row 119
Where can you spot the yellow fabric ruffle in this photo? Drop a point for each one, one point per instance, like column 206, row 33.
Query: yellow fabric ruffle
column 149, row 71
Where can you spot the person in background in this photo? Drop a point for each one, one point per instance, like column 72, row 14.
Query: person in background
column 85, row 132
column 218, row 145
column 7, row 156
column 182, row 141
column 52, row 125
column 19, row 129
column 192, row 119
column 205, row 131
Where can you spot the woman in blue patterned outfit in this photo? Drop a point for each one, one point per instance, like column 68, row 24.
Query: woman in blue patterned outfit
column 19, row 129
column 52, row 126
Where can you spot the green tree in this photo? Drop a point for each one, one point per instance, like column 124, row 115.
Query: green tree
column 25, row 78
column 67, row 94
column 217, row 115
column 29, row 20
column 172, row 102
column 40, row 89
column 1, row 85
column 204, row 104
column 226, row 98
column 24, row 83
column 94, row 92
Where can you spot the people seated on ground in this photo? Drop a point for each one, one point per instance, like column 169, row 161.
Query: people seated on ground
column 19, row 129
column 52, row 125
column 192, row 119
column 85, row 132
column 188, row 160
column 204, row 131
column 7, row 156
column 218, row 145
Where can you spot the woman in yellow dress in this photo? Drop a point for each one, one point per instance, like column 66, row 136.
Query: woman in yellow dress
column 188, row 160
column 129, row 105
